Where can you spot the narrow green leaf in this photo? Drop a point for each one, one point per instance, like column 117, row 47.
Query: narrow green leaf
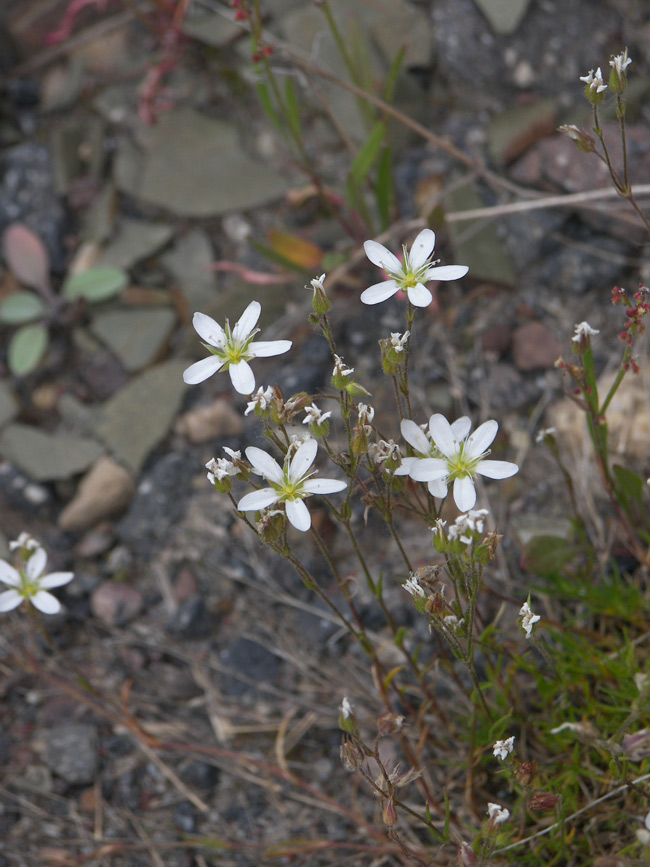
column 21, row 307
column 384, row 187
column 393, row 73
column 26, row 348
column 292, row 108
column 95, row 284
column 266, row 102
column 368, row 153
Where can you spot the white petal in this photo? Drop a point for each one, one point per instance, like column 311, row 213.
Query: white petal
column 209, row 330
column 481, row 439
column 9, row 575
column 298, row 514
column 415, row 436
column 201, row 370
column 419, row 295
column 45, row 602
column 446, row 272
column 464, row 493
column 382, row 257
column 438, row 488
column 266, row 348
column 257, row 500
column 264, row 463
column 303, row 459
column 56, row 579
column 405, row 467
column 461, row 427
column 497, row 469
column 36, row 564
column 422, row 248
column 9, row 600
column 443, row 435
column 324, row 486
column 242, row 377
column 247, row 321
column 429, row 469
column 379, row 292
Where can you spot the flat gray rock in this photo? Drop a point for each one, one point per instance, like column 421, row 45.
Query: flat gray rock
column 44, row 456
column 504, row 16
column 137, row 418
column 135, row 336
column 134, row 240
column 195, row 166
column 71, row 752
column 189, row 262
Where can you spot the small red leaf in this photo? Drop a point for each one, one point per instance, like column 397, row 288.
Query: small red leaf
column 27, row 257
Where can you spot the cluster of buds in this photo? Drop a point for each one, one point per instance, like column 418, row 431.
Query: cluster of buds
column 264, row 51
column 221, row 470
column 636, row 308
column 242, row 12
column 317, row 421
column 270, row 403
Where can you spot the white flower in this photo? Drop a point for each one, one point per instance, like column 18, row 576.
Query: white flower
column 341, row 369
column 398, row 341
column 412, row 586
column 384, row 450
column 424, row 447
column 453, row 623
column 498, row 814
column 219, row 468
column 232, row 349
column 462, row 459
column 261, row 398
column 313, row 415
column 32, row 584
column 528, row 619
column 411, row 273
column 583, row 330
column 346, row 708
column 290, row 484
column 317, row 284
column 545, row 432
column 502, row 749
column 25, row 541
column 620, row 63
column 464, row 525
column 594, row 80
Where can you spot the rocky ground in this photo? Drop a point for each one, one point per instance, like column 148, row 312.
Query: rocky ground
column 176, row 621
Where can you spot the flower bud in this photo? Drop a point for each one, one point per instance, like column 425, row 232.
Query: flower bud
column 636, row 746
column 320, row 301
column 352, row 756
column 389, row 723
column 525, row 773
column 389, row 814
column 584, row 141
column 542, row 802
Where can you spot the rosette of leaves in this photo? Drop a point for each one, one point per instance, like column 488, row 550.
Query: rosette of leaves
column 32, row 313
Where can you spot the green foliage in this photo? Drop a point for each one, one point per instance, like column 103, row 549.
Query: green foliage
column 21, row 307
column 26, row 348
column 97, row 284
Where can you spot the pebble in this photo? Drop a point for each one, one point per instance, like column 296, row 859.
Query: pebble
column 191, row 619
column 71, row 752
column 217, row 419
column 116, row 603
column 535, row 347
column 104, row 491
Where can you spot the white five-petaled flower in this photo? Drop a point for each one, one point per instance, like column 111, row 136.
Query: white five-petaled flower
column 583, row 330
column 25, row 541
column 219, row 468
column 340, row 368
column 232, row 349
column 463, row 457
column 313, row 415
column 502, row 749
column 398, row 341
column 424, row 447
column 317, row 284
column 528, row 618
column 466, row 524
column 594, row 80
column 31, row 583
column 498, row 814
column 411, row 273
column 412, row 586
column 290, row 484
column 261, row 399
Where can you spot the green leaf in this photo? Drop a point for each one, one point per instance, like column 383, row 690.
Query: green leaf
column 21, row 307
column 384, row 187
column 368, row 153
column 268, row 106
column 629, row 487
column 292, row 108
column 547, row 554
column 95, row 284
column 393, row 72
column 26, row 348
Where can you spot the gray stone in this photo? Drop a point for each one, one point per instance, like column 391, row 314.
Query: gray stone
column 504, row 15
column 116, row 603
column 134, row 240
column 44, row 456
column 136, row 419
column 71, row 752
column 195, row 166
column 106, row 490
column 137, row 335
column 189, row 263
column 8, row 404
